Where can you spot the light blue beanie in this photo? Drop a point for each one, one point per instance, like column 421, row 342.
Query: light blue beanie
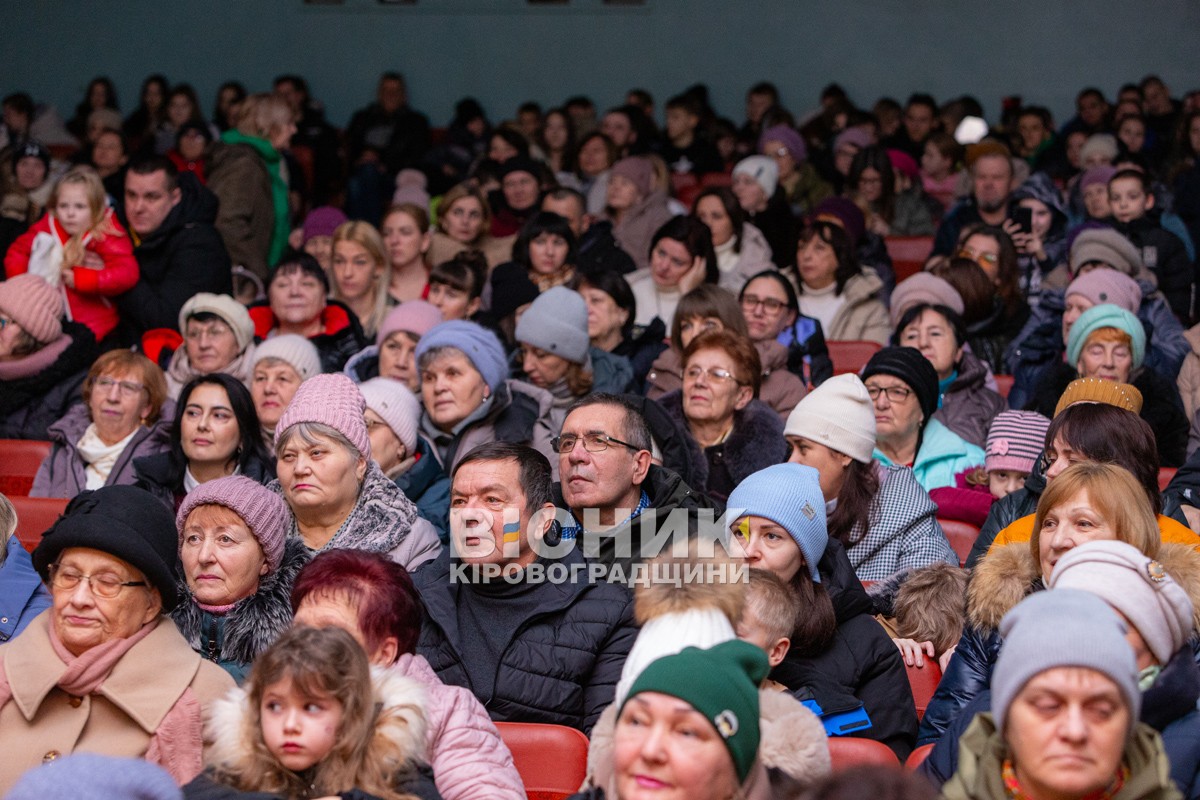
column 789, row 495
column 1106, row 316
column 476, row 342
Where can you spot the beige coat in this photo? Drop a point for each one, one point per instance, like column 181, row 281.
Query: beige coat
column 864, row 315
column 496, row 250
column 41, row 722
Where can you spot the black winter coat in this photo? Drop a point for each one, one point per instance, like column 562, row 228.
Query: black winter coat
column 29, row 406
column 161, row 475
column 1165, row 255
column 563, row 664
column 861, row 663
column 183, row 257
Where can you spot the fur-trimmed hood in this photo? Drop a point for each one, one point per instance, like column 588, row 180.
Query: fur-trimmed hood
column 1009, row 573
column 399, row 734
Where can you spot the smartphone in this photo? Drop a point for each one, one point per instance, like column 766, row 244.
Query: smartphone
column 1024, row 219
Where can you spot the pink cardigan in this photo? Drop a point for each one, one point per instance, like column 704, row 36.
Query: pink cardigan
column 469, row 760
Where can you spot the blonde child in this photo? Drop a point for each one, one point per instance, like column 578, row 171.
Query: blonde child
column 930, row 610
column 309, row 723
column 769, row 618
column 80, row 246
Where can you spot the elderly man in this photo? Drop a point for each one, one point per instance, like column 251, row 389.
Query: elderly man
column 509, row 612
column 179, row 253
column 992, row 184
column 609, row 483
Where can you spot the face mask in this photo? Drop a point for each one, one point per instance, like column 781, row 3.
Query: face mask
column 1148, row 676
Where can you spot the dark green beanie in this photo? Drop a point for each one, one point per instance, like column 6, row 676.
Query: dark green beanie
column 722, row 684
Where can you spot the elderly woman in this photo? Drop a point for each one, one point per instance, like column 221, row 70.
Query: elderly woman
column 611, row 310
column 1109, row 342
column 742, row 251
column 22, row 595
column 95, row 444
column 681, row 258
column 338, row 495
column 802, row 185
column 839, row 654
column 464, row 222
column 711, row 308
column 880, row 513
column 637, row 208
column 394, row 353
column 361, row 273
column 281, row 364
column 1087, row 502
column 218, row 336
column 903, row 387
column 215, row 434
column 1064, row 711
column 730, row 434
column 556, row 353
column 297, row 303
column 375, row 601
column 469, row 399
column 101, row 671
column 393, row 418
column 965, row 404
column 42, row 357
column 238, row 569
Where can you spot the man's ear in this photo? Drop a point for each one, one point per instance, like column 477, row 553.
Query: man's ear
column 176, row 196
column 641, row 465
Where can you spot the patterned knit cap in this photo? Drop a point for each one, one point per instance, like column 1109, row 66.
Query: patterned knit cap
column 1015, row 440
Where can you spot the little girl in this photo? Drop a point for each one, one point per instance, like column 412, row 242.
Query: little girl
column 310, row 723
column 80, row 246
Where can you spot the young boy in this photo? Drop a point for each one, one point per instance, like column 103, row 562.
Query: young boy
column 1163, row 252
column 685, row 151
column 769, row 619
column 930, row 609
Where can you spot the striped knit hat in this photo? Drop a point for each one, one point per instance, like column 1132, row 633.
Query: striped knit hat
column 1016, row 440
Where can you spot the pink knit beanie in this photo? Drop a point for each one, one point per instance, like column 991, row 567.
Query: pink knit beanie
column 1107, row 286
column 333, row 400
column 263, row 511
column 34, row 305
column 414, row 316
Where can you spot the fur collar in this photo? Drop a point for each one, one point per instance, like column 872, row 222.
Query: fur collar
column 755, row 443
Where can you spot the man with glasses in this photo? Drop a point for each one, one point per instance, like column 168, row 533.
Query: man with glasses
column 609, row 481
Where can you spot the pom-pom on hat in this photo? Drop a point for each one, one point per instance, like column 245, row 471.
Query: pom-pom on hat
column 557, row 323
column 231, row 312
column 298, row 352
column 34, row 305
column 329, row 399
column 1097, row 390
column 762, row 169
column 264, row 512
column 477, row 343
column 1016, row 440
column 722, row 684
column 789, row 495
column 838, row 414
column 1106, row 316
column 397, row 406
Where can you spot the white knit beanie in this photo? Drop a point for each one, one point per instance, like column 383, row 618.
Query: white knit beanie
column 233, row 313
column 398, row 407
column 838, row 414
column 297, row 351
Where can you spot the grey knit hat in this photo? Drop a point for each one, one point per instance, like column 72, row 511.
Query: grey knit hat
column 1062, row 628
column 557, row 323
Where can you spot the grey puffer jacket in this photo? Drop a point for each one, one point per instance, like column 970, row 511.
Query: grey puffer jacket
column 968, row 406
column 382, row 521
column 63, row 473
column 234, row 639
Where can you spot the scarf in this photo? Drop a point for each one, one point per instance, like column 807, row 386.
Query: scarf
column 175, row 745
column 99, row 457
column 279, row 189
column 36, row 362
column 1012, row 786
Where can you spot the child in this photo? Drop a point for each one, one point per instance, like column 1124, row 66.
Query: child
column 80, row 246
column 456, row 286
column 1014, row 444
column 930, row 610
column 310, row 723
column 769, row 619
column 1162, row 251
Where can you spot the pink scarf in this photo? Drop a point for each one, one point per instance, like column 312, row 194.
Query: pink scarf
column 175, row 745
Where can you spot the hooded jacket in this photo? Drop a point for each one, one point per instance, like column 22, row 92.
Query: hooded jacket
column 234, row 639
column 183, row 257
column 1040, row 187
column 36, row 397
column 752, row 257
column 968, row 406
column 638, row 225
column 241, row 180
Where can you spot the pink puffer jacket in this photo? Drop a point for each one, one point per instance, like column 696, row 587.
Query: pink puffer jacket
column 469, row 760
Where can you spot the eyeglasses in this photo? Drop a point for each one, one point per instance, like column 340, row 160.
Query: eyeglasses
column 128, row 388
column 769, row 304
column 991, row 259
column 106, row 586
column 895, row 394
column 714, row 373
column 592, row 442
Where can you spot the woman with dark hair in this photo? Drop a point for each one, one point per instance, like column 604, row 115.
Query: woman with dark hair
column 100, row 94
column 872, row 185
column 545, row 247
column 556, row 138
column 843, row 296
column 593, row 159
column 141, row 125
column 840, row 656
column 880, row 514
column 993, row 250
column 772, row 312
column 215, row 433
column 711, row 308
column 229, row 96
column 965, row 404
column 506, row 143
column 742, row 250
column 991, row 326
column 681, row 258
column 374, row 600
column 182, row 107
column 611, row 310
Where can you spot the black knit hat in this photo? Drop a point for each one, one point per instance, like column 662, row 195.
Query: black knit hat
column 31, row 149
column 907, row 364
column 125, row 522
column 521, row 164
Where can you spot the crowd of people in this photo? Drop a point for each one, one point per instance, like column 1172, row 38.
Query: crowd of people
column 369, row 439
